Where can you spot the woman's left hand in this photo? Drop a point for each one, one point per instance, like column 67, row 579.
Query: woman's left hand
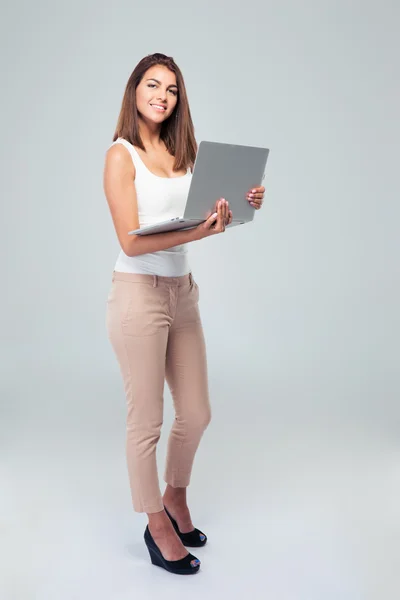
column 255, row 197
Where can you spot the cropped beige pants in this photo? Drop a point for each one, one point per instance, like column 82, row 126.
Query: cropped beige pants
column 154, row 325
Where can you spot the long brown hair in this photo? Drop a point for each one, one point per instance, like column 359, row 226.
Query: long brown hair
column 177, row 132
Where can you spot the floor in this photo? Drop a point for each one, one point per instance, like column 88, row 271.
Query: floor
column 296, row 506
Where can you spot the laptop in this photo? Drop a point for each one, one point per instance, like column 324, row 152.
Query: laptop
column 220, row 171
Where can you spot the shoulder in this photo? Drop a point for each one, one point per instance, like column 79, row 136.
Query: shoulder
column 118, row 157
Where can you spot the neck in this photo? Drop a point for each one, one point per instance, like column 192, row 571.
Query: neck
column 150, row 133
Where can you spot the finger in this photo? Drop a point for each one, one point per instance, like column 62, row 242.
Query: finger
column 226, row 209
column 255, row 196
column 217, row 203
column 223, row 210
column 221, row 223
column 221, row 206
column 227, row 216
column 220, row 216
column 223, row 220
column 211, row 221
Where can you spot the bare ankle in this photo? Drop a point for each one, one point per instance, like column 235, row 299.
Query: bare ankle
column 176, row 495
column 159, row 522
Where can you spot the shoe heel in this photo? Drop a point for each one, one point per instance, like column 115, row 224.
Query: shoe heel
column 155, row 559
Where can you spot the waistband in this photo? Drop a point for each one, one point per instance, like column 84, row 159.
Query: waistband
column 155, row 280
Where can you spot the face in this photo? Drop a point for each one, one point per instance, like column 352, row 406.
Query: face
column 157, row 94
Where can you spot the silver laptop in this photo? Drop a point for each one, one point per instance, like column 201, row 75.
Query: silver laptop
column 220, row 171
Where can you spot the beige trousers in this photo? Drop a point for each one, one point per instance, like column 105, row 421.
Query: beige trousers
column 154, row 326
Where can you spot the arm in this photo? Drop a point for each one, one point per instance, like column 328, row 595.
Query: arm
column 120, row 191
column 160, row 241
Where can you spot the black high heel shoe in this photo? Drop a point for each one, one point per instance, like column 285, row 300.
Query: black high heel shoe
column 195, row 538
column 187, row 565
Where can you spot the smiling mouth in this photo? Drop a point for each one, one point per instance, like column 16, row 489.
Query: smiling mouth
column 159, row 107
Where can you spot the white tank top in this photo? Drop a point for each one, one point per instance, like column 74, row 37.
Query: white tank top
column 159, row 199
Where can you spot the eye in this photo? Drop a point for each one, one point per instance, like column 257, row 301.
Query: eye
column 151, row 85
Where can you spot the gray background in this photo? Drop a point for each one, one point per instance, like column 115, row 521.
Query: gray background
column 297, row 479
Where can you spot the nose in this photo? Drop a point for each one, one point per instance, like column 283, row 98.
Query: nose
column 162, row 96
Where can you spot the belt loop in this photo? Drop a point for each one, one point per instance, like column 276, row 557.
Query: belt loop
column 191, row 278
column 155, row 280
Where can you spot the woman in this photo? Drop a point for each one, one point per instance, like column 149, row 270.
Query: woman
column 153, row 318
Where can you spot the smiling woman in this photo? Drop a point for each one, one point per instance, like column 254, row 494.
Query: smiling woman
column 158, row 82
column 153, row 318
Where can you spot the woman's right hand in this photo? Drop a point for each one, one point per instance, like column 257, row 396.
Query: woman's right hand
column 217, row 222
